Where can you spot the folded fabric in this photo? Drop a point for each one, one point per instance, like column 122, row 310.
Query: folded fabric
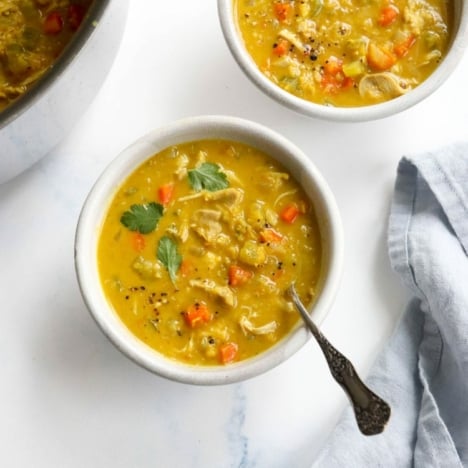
column 423, row 371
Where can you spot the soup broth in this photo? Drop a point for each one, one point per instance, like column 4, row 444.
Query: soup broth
column 199, row 246
column 345, row 52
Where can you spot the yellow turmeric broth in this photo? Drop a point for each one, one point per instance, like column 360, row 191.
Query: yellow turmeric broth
column 199, row 246
column 345, row 52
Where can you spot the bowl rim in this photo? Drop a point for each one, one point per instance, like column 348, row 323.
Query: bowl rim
column 53, row 73
column 457, row 47
column 100, row 196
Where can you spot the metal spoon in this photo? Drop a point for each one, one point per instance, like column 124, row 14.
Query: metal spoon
column 372, row 413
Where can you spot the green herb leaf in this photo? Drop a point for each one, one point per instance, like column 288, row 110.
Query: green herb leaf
column 169, row 256
column 143, row 218
column 207, row 176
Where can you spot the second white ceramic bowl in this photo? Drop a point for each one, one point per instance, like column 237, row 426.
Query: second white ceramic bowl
column 197, row 128
column 457, row 47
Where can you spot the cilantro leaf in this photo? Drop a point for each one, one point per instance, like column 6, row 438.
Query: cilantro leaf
column 207, row 176
column 169, row 256
column 143, row 218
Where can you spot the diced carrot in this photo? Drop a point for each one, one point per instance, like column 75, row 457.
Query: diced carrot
column 281, row 47
column 329, row 84
column 379, row 58
column 402, row 48
column 238, row 276
column 270, row 235
column 388, row 14
column 290, row 213
column 75, row 15
column 197, row 314
column 186, row 267
column 53, row 23
column 282, row 10
column 333, row 78
column 138, row 241
column 347, row 83
column 334, row 84
column 165, row 193
column 333, row 65
column 228, row 352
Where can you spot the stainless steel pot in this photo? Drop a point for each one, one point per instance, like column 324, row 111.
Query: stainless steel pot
column 36, row 122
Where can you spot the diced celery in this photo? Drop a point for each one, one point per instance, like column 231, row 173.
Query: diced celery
column 31, row 38
column 432, row 56
column 431, row 39
column 310, row 8
column 354, row 68
column 304, row 8
column 252, row 253
column 357, row 47
column 17, row 59
column 316, row 7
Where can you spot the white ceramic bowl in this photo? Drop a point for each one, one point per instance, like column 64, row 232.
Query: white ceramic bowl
column 37, row 121
column 97, row 203
column 459, row 42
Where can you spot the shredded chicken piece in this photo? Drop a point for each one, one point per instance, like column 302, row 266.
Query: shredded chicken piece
column 295, row 40
column 222, row 292
column 181, row 171
column 232, row 177
column 205, row 223
column 283, row 195
column 382, row 85
column 180, row 232
column 248, row 327
column 229, row 196
column 272, row 180
column 421, row 16
column 266, row 284
column 201, row 157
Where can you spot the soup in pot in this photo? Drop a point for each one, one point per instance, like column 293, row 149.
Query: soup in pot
column 33, row 33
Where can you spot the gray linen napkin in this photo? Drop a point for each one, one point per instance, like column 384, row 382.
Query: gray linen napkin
column 423, row 371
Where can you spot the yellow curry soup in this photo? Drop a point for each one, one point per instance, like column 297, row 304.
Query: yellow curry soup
column 345, row 53
column 198, row 247
column 33, row 33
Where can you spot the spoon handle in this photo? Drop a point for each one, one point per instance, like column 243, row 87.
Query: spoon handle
column 372, row 413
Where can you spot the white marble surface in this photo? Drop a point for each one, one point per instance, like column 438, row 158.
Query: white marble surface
column 67, row 397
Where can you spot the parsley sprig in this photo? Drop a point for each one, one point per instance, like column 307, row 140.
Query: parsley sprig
column 207, row 176
column 169, row 256
column 143, row 218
